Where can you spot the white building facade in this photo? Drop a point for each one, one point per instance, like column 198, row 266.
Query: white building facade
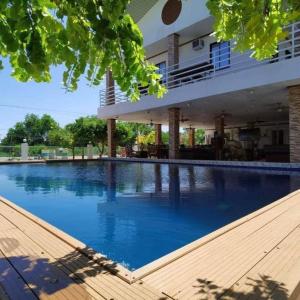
column 250, row 109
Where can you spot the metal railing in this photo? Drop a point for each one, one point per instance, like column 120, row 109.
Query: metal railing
column 209, row 66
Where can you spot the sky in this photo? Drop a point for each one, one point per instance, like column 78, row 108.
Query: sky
column 40, row 98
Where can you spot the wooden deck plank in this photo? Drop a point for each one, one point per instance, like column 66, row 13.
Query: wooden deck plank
column 223, row 242
column 276, row 275
column 5, row 224
column 233, row 267
column 38, row 270
column 11, row 283
column 265, row 247
column 74, row 263
column 224, row 266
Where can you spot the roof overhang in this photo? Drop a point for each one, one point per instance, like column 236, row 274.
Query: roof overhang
column 138, row 8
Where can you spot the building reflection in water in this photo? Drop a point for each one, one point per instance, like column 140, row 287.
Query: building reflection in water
column 158, row 178
column 174, row 184
column 111, row 184
column 191, row 178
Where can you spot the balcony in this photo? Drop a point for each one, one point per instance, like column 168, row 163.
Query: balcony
column 208, row 66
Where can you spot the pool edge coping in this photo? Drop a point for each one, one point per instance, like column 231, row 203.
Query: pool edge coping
column 212, row 163
column 287, row 166
column 133, row 276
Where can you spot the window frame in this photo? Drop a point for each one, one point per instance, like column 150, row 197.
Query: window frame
column 218, row 68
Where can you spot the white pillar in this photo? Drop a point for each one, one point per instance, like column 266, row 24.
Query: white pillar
column 24, row 151
column 89, row 150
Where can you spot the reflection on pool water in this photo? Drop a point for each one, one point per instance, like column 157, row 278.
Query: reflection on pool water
column 137, row 212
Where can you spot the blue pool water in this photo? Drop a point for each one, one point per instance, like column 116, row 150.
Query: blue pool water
column 135, row 213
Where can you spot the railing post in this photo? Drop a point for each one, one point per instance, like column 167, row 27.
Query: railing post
column 293, row 40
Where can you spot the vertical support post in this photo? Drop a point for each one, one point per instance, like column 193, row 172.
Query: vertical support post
column 111, row 132
column 174, row 114
column 173, row 56
column 89, row 150
column 294, row 123
column 219, row 136
column 24, row 151
column 158, row 139
column 191, row 137
column 293, row 40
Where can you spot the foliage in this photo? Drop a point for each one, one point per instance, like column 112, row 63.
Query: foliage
column 199, row 136
column 60, row 137
column 87, row 37
column 87, row 130
column 34, row 129
column 254, row 25
column 128, row 132
column 146, row 139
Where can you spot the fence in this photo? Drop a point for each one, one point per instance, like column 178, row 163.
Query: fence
column 42, row 152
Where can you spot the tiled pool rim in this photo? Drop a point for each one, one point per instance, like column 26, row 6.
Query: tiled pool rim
column 209, row 163
column 133, row 276
column 212, row 163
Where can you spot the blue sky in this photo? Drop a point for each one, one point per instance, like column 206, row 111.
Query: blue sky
column 48, row 98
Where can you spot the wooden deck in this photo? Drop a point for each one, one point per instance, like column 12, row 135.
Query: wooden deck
column 256, row 257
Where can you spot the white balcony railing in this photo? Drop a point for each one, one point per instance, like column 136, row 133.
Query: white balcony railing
column 206, row 67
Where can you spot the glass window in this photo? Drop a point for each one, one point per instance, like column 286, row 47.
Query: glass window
column 162, row 69
column 220, row 55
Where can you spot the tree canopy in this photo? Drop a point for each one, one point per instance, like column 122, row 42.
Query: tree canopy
column 256, row 25
column 34, row 129
column 89, row 37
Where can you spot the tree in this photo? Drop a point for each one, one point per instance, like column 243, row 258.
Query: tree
column 127, row 132
column 87, row 37
column 60, row 137
column 34, row 129
column 87, row 130
column 254, row 25
column 199, row 136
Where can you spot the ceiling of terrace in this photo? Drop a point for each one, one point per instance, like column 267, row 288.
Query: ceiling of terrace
column 138, row 8
column 260, row 105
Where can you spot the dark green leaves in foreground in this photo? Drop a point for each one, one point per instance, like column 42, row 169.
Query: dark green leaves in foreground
column 256, row 25
column 86, row 36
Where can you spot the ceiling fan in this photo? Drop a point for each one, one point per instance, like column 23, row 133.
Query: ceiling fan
column 182, row 120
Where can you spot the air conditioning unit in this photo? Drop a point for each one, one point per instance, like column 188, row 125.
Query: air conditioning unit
column 198, row 44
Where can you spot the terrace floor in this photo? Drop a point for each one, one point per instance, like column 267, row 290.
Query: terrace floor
column 256, row 257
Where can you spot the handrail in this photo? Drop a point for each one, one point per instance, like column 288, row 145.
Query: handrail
column 203, row 68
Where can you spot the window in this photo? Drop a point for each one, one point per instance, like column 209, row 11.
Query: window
column 162, row 69
column 220, row 55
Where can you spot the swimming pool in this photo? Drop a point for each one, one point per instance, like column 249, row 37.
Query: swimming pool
column 137, row 212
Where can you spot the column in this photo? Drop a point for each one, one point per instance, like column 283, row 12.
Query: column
column 24, row 150
column 173, row 56
column 110, row 88
column 174, row 115
column 191, row 137
column 111, row 132
column 219, row 136
column 89, row 150
column 158, row 140
column 173, row 49
column 294, row 116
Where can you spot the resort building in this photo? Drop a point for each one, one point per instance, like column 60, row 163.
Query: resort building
column 250, row 109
